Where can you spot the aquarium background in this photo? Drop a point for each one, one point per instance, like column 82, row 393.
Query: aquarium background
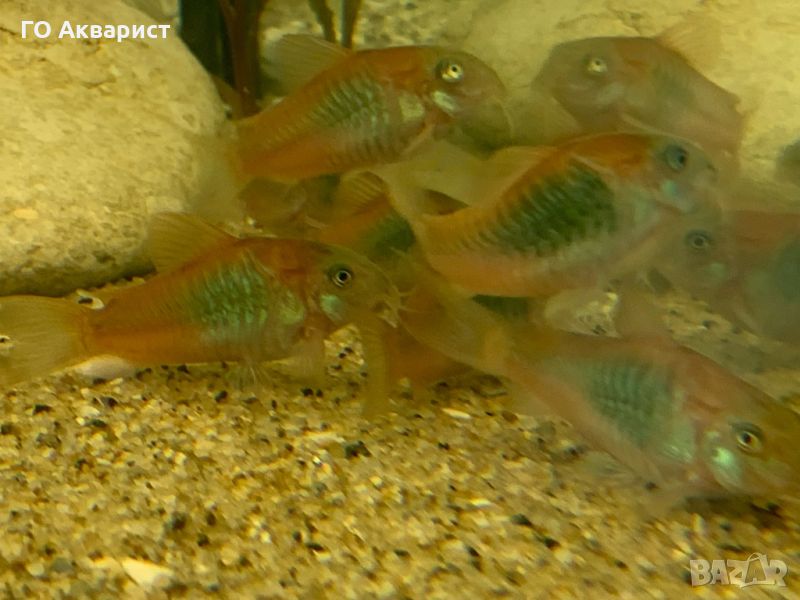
column 178, row 482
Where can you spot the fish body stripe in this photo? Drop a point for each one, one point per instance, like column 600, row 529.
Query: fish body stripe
column 637, row 398
column 554, row 214
column 235, row 303
column 367, row 117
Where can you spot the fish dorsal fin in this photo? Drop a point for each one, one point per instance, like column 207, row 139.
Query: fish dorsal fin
column 356, row 191
column 297, row 58
column 504, row 168
column 176, row 238
column 696, row 38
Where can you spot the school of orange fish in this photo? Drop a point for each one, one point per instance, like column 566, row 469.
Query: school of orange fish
column 411, row 195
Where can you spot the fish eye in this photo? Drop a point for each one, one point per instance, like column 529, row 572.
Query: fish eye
column 699, row 240
column 749, row 438
column 676, row 157
column 596, row 66
column 341, row 276
column 450, row 71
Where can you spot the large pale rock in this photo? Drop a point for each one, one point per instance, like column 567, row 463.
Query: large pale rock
column 758, row 58
column 96, row 136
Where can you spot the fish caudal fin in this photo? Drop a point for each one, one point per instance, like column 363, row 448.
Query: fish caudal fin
column 39, row 335
column 220, row 176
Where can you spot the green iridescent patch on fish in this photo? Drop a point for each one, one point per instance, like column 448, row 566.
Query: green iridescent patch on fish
column 512, row 308
column 360, row 106
column 724, row 463
column 332, row 306
column 786, row 272
column 636, row 397
column 390, row 236
column 350, row 102
column 232, row 303
column 556, row 213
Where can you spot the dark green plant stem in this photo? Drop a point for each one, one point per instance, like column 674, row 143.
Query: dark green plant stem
column 203, row 30
column 241, row 21
column 350, row 10
column 324, row 18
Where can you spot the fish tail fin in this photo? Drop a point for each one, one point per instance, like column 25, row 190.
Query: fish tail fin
column 39, row 335
column 221, row 177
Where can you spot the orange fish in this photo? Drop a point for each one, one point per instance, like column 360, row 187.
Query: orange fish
column 671, row 415
column 578, row 214
column 217, row 298
column 616, row 83
column 363, row 219
column 357, row 109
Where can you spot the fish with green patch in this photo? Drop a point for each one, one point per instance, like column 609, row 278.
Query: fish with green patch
column 216, row 298
column 575, row 215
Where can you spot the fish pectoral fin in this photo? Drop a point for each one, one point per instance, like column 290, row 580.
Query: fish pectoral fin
column 176, row 238
column 602, row 464
column 307, row 362
column 443, row 167
column 523, row 402
column 356, row 191
column 295, row 59
column 696, row 38
column 406, row 196
column 423, row 138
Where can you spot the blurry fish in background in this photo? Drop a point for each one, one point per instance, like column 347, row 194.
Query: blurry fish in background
column 698, row 256
column 578, row 215
column 216, row 298
column 787, row 167
column 671, row 415
column 745, row 265
column 641, row 83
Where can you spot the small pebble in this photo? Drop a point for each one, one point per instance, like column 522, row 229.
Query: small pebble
column 145, row 573
column 457, row 414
